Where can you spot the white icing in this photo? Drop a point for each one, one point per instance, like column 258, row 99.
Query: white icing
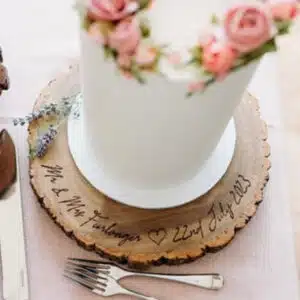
column 151, row 135
column 179, row 23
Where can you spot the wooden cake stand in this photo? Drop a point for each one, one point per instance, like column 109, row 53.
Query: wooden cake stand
column 143, row 237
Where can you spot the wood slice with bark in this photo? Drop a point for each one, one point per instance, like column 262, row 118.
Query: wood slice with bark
column 143, row 237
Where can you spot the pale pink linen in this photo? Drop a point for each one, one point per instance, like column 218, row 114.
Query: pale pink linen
column 259, row 264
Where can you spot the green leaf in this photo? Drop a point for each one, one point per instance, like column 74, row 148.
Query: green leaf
column 108, row 52
column 137, row 72
column 257, row 53
column 114, row 53
column 144, row 3
column 189, row 94
column 283, row 26
column 85, row 23
column 197, row 54
column 192, row 61
column 207, row 73
column 215, row 20
column 238, row 62
column 157, row 59
column 145, row 30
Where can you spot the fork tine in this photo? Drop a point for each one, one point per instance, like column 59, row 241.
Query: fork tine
column 84, row 283
column 87, row 273
column 94, row 269
column 89, row 263
column 77, row 265
column 83, row 259
column 105, row 269
column 93, row 281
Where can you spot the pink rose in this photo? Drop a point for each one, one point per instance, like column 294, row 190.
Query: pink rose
column 126, row 36
column 145, row 56
column 95, row 32
column 284, row 10
column 247, row 27
column 111, row 10
column 124, row 61
column 218, row 58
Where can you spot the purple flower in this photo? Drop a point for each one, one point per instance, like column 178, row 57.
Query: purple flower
column 45, row 141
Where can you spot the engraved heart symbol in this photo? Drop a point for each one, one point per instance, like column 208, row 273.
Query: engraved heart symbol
column 157, row 235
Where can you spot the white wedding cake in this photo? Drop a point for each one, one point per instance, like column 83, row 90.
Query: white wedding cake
column 161, row 80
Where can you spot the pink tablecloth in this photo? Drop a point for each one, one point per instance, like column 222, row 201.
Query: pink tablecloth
column 258, row 264
column 39, row 37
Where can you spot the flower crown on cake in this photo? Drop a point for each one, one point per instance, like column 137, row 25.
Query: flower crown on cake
column 244, row 34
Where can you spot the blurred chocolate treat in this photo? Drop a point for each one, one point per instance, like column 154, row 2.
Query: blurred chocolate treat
column 4, row 79
column 7, row 161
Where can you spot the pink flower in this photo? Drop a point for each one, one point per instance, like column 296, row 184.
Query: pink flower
column 95, row 31
column 124, row 61
column 111, row 10
column 145, row 56
column 247, row 27
column 197, row 86
column 126, row 36
column 218, row 58
column 284, row 10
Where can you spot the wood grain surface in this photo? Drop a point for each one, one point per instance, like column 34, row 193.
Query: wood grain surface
column 143, row 237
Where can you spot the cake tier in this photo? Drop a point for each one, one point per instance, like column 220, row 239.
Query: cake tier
column 150, row 135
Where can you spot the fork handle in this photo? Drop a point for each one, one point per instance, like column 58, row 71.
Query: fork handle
column 138, row 296
column 207, row 281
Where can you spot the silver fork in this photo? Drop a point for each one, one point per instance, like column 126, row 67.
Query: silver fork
column 103, row 285
column 208, row 281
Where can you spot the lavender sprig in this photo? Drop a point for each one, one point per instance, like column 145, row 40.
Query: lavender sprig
column 45, row 110
column 59, row 110
column 45, row 141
